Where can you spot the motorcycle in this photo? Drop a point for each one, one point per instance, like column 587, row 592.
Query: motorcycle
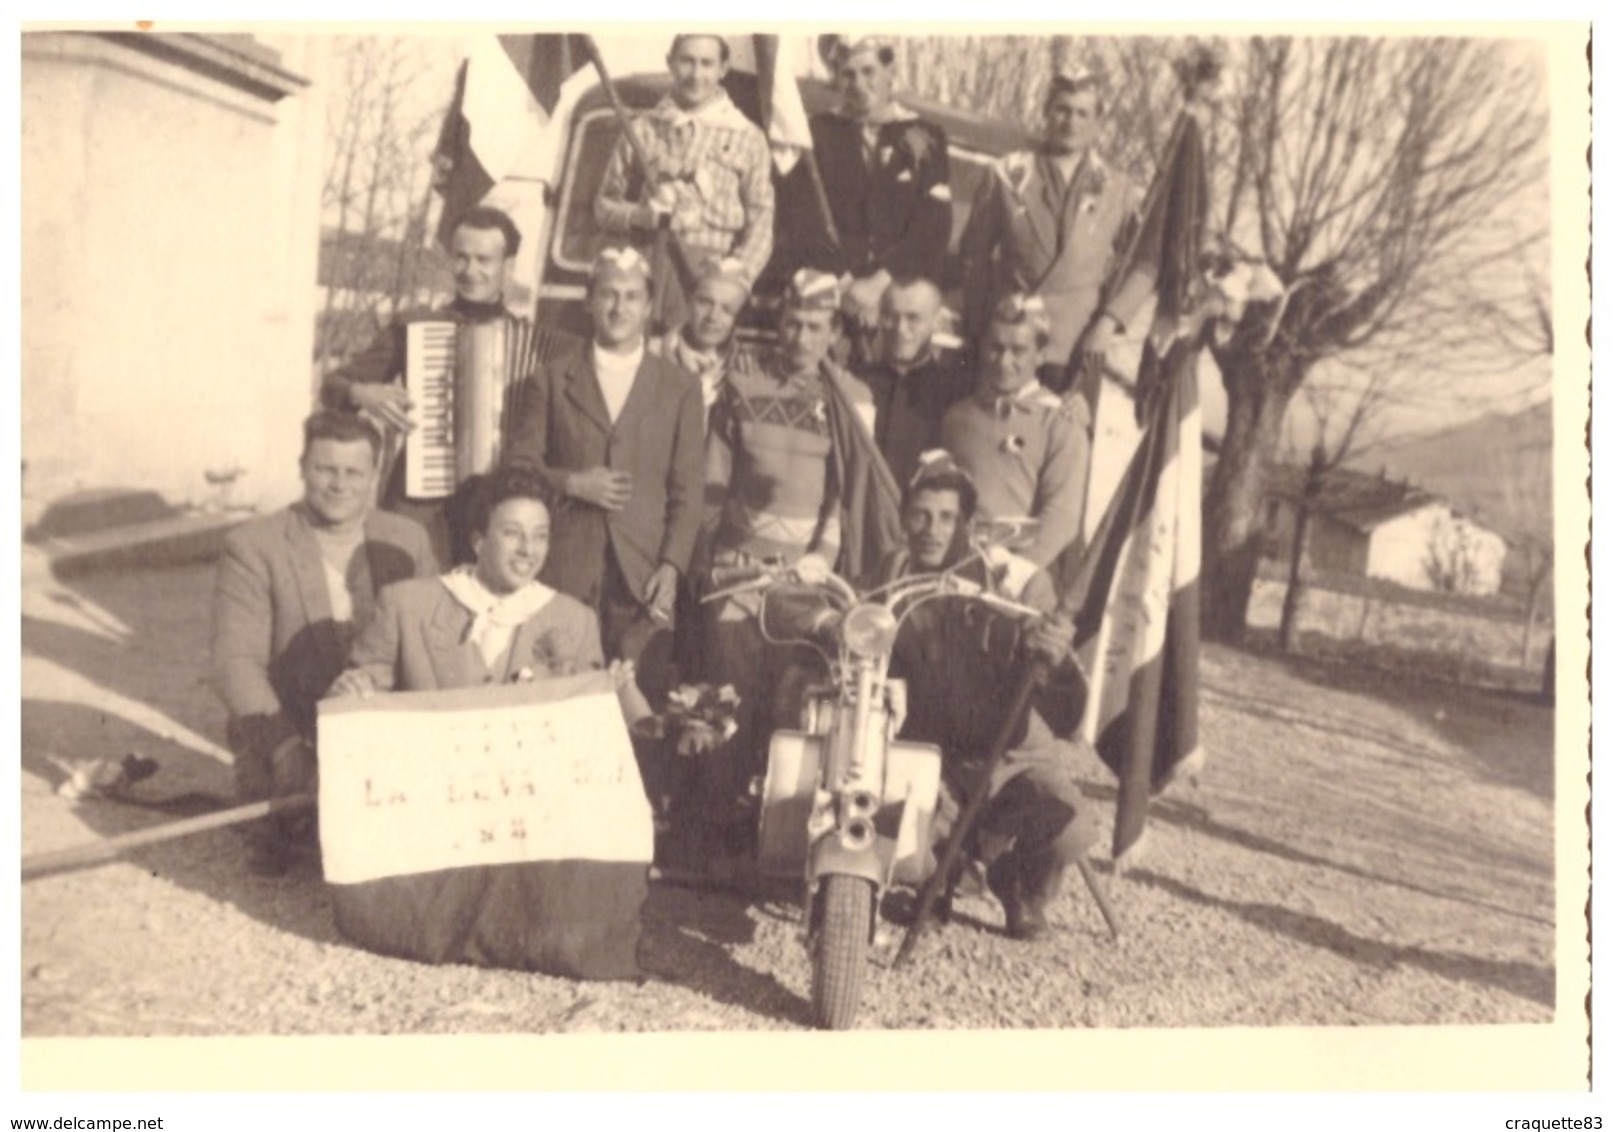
column 844, row 803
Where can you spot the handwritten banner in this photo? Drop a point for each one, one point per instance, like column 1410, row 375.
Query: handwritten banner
column 418, row 782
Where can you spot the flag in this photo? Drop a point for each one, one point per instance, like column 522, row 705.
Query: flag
column 1136, row 587
column 504, row 99
column 784, row 116
column 502, row 826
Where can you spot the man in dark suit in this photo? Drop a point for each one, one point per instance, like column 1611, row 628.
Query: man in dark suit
column 886, row 175
column 293, row 589
column 912, row 384
column 617, row 433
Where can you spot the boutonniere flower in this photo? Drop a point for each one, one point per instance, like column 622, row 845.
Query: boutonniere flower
column 1013, row 444
column 916, row 143
column 885, row 153
column 820, row 412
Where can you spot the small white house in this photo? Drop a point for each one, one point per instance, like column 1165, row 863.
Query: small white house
column 1375, row 527
column 1434, row 548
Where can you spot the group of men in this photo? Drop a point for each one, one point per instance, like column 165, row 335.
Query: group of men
column 677, row 454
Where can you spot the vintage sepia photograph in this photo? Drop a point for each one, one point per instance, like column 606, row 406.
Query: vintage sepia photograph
column 948, row 532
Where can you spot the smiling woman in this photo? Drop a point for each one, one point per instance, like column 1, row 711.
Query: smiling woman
column 487, row 623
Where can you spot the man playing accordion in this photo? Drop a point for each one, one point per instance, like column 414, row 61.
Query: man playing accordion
column 483, row 245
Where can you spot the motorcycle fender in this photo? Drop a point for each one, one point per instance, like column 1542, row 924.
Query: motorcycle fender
column 788, row 793
column 829, row 856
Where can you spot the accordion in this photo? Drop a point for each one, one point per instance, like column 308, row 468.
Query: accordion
column 462, row 378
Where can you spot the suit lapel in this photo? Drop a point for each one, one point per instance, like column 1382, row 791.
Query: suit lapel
column 444, row 637
column 308, row 567
column 522, row 649
column 582, row 388
column 1042, row 205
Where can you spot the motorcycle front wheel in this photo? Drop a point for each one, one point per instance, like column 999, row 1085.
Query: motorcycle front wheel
column 842, row 951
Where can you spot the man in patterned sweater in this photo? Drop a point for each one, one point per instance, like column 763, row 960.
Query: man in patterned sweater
column 710, row 178
column 792, row 476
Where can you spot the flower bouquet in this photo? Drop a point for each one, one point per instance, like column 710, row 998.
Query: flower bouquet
column 697, row 719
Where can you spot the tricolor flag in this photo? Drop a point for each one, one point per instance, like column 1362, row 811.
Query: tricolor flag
column 784, row 116
column 504, row 98
column 502, row 826
column 1137, row 625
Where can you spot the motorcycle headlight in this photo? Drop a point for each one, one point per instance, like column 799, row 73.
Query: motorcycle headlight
column 870, row 630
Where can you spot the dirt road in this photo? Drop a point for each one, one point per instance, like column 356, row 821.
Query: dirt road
column 1359, row 851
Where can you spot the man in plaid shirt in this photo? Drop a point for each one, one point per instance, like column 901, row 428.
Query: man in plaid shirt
column 711, row 170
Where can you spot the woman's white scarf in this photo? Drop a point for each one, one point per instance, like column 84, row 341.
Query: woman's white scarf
column 494, row 617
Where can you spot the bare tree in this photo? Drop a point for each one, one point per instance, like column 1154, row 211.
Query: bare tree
column 1366, row 173
column 377, row 186
column 1523, row 476
column 1344, row 415
column 1386, row 182
column 1451, row 559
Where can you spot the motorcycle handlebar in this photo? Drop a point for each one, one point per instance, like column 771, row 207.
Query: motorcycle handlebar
column 740, row 577
column 724, row 576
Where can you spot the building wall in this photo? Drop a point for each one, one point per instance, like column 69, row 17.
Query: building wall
column 1400, row 550
column 169, row 242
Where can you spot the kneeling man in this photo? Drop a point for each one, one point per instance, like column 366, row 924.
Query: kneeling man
column 961, row 661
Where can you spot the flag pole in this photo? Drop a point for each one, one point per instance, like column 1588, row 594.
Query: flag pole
column 96, row 852
column 822, row 195
column 679, row 255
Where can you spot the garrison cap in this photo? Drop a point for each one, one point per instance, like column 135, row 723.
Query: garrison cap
column 811, row 290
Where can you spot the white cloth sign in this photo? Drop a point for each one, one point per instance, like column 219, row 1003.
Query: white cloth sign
column 416, row 782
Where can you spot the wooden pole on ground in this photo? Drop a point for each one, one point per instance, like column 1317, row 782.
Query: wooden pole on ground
column 99, row 852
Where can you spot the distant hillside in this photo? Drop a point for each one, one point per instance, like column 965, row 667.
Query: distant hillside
column 1496, row 468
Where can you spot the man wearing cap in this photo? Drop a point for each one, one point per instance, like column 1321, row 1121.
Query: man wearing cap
column 1049, row 222
column 482, row 248
column 704, row 346
column 887, row 178
column 792, row 476
column 710, row 176
column 912, row 384
column 961, row 662
column 1026, row 448
column 616, row 432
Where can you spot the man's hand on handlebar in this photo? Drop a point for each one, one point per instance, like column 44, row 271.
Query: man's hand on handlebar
column 812, row 569
column 1012, row 571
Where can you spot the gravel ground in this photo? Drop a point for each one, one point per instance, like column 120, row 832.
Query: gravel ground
column 1359, row 851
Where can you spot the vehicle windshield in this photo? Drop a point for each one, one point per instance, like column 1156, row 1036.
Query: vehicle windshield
column 579, row 239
